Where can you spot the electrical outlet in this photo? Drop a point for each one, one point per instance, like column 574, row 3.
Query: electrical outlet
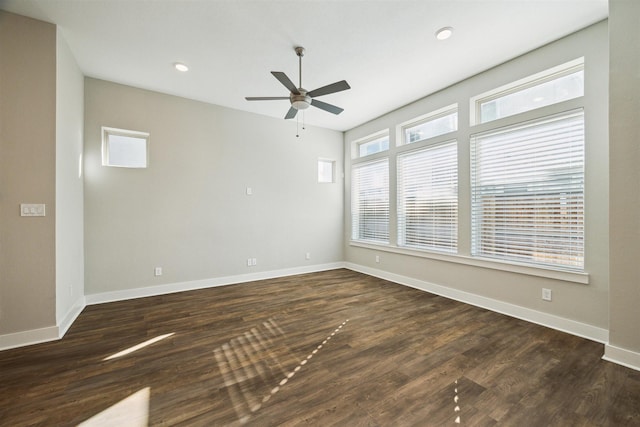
column 377, row 258
column 307, row 255
column 546, row 294
column 249, row 262
column 157, row 271
column 254, row 261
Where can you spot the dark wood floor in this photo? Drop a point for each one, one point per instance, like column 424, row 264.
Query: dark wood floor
column 330, row 348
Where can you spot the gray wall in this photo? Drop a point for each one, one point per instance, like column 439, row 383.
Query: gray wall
column 624, row 100
column 585, row 304
column 188, row 212
column 27, row 173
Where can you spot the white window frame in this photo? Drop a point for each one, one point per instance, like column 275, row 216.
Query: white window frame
column 355, row 146
column 447, row 242
column 332, row 164
column 425, row 118
column 533, row 80
column 378, row 238
column 527, row 222
column 109, row 131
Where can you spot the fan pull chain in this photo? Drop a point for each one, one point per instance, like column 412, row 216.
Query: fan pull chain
column 298, row 124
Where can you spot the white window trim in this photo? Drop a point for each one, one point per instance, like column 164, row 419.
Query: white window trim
column 422, row 149
column 506, row 129
column 355, row 145
column 512, row 267
column 386, row 160
column 433, row 115
column 529, row 81
column 333, row 170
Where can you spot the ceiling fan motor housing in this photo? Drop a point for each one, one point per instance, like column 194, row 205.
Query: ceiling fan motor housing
column 300, row 101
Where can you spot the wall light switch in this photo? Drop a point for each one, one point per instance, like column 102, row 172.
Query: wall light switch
column 249, row 191
column 32, row 209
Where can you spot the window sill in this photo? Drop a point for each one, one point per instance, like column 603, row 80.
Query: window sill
column 566, row 275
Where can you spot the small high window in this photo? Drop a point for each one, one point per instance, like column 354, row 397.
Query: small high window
column 124, row 148
column 326, row 171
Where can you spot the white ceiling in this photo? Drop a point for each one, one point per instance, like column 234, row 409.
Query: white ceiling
column 386, row 50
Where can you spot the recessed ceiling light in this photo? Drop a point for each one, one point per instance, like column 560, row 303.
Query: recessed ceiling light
column 181, row 67
column 444, row 33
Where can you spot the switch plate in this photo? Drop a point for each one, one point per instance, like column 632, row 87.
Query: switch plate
column 546, row 294
column 249, row 191
column 157, row 271
column 377, row 258
column 307, row 255
column 32, row 209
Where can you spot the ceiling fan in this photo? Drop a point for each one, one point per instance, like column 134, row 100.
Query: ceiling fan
column 299, row 97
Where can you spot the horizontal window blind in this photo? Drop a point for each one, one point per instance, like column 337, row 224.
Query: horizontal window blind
column 370, row 201
column 527, row 185
column 428, row 198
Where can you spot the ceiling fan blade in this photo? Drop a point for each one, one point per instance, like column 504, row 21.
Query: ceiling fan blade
column 264, row 98
column 291, row 113
column 282, row 78
column 332, row 88
column 326, row 107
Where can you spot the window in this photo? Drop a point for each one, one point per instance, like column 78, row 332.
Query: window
column 370, row 201
column 373, row 144
column 326, row 171
column 527, row 186
column 432, row 125
column 549, row 87
column 124, row 148
column 428, row 198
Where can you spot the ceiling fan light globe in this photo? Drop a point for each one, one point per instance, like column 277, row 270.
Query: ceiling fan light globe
column 300, row 105
column 300, row 101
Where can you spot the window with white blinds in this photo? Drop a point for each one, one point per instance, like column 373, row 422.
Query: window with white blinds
column 428, row 198
column 527, row 186
column 370, row 201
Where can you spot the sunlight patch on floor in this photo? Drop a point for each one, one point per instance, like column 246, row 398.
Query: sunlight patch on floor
column 456, row 400
column 132, row 411
column 138, row 346
column 250, row 367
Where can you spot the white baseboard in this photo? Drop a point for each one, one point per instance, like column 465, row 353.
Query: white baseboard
column 30, row 337
column 555, row 322
column 169, row 288
column 71, row 316
column 613, row 354
column 622, row 356
column 41, row 335
column 52, row 333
